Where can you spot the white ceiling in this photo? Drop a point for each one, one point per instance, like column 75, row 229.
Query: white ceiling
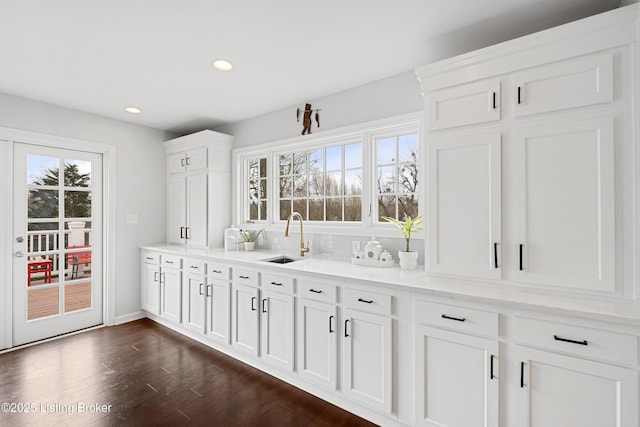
column 102, row 56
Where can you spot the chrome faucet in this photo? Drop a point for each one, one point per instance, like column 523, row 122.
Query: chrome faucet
column 303, row 249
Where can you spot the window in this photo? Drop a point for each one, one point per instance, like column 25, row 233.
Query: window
column 397, row 175
column 322, row 184
column 257, row 179
column 350, row 177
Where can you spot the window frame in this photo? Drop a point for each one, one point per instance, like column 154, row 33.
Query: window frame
column 366, row 133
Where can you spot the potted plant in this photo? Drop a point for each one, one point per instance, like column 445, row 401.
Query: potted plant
column 408, row 258
column 249, row 237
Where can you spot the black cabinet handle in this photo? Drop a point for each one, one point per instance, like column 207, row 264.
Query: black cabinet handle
column 195, row 267
column 209, row 290
column 243, row 277
column 150, row 258
column 201, row 286
column 457, row 319
column 276, row 284
column 495, row 255
column 182, row 162
column 521, row 265
column 186, row 233
column 169, row 262
column 494, row 100
column 216, row 271
column 331, row 330
column 346, row 333
column 521, row 374
column 253, row 303
column 264, row 305
column 155, row 276
column 491, row 374
column 365, row 301
column 188, row 161
column 182, row 232
column 519, row 98
column 314, row 291
column 583, row 342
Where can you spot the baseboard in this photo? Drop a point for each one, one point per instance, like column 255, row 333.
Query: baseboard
column 129, row 317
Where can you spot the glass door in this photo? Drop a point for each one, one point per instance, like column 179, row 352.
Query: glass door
column 57, row 269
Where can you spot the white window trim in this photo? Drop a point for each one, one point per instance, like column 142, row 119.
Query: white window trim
column 364, row 132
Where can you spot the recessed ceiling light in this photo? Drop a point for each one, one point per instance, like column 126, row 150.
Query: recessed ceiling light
column 222, row 65
column 133, row 110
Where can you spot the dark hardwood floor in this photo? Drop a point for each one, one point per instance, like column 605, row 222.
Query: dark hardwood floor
column 142, row 374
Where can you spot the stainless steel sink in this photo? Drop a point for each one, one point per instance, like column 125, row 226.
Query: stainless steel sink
column 282, row 259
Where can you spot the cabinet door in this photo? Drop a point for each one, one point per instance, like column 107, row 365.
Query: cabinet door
column 276, row 329
column 466, row 104
column 196, row 159
column 176, row 163
column 171, row 295
column 197, row 208
column 176, row 208
column 367, row 359
column 151, row 288
column 566, row 205
column 563, row 391
column 566, row 84
column 219, row 311
column 317, row 342
column 245, row 319
column 464, row 227
column 194, row 302
column 456, row 379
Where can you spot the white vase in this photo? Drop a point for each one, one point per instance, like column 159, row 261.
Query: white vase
column 249, row 246
column 408, row 260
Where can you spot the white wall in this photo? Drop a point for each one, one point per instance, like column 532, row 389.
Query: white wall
column 140, row 181
column 389, row 97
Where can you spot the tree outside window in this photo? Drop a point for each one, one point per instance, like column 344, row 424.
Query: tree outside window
column 257, row 189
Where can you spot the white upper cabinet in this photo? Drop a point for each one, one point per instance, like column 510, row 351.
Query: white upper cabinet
column 464, row 189
column 466, row 104
column 565, row 84
column 565, row 209
column 198, row 180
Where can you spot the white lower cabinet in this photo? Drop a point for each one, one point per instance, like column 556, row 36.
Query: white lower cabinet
column 367, row 358
column 151, row 282
column 317, row 342
column 456, row 379
column 276, row 329
column 245, row 318
column 194, row 298
column 218, row 318
column 565, row 391
column 171, row 289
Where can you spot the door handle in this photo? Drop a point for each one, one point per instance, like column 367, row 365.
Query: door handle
column 19, row 254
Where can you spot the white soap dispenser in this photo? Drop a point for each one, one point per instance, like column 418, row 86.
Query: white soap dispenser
column 372, row 249
column 231, row 238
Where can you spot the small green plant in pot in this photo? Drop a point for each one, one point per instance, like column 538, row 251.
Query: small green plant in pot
column 249, row 238
column 408, row 258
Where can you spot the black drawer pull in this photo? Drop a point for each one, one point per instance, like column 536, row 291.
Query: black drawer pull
column 244, row 277
column 276, row 283
column 521, row 374
column 315, row 291
column 457, row 319
column 521, row 265
column 519, row 97
column 216, row 271
column 150, row 258
column 169, row 262
column 557, row 338
column 195, row 267
column 346, row 331
column 365, row 301
column 495, row 255
column 494, row 100
column 331, row 330
column 253, row 303
column 491, row 373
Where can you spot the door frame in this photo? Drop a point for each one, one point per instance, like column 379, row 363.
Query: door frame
column 108, row 152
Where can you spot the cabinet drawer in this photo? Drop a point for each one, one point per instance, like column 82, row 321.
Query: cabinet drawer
column 463, row 319
column 565, row 84
column 151, row 258
column 372, row 302
column 171, row 261
column 277, row 283
column 578, row 340
column 317, row 291
column 244, row 276
column 218, row 271
column 195, row 266
column 466, row 104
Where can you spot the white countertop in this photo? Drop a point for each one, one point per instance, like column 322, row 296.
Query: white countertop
column 611, row 309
